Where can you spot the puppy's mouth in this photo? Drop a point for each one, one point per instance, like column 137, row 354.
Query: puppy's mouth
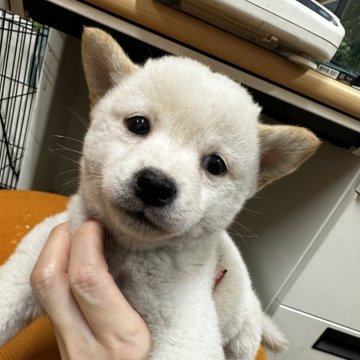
column 140, row 217
column 142, row 222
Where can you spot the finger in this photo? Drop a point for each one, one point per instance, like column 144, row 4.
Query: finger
column 63, row 349
column 48, row 273
column 73, row 346
column 49, row 281
column 54, row 256
column 103, row 305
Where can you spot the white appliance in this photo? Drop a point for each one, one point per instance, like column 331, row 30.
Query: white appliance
column 300, row 29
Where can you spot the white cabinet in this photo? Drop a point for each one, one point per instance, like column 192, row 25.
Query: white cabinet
column 302, row 331
column 327, row 292
column 305, row 258
column 292, row 217
column 329, row 286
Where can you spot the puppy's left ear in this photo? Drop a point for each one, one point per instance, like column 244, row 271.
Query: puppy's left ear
column 105, row 62
column 283, row 149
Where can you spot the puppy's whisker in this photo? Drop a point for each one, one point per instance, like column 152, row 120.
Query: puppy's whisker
column 251, row 211
column 65, row 148
column 243, row 240
column 69, row 138
column 55, row 151
column 242, row 237
column 70, row 182
column 83, row 121
column 236, row 233
column 63, row 173
column 66, row 172
column 260, row 197
column 250, row 233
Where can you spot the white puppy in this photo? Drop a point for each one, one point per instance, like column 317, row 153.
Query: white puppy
column 173, row 152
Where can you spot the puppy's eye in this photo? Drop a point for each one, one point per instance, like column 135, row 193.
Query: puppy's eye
column 214, row 164
column 138, row 125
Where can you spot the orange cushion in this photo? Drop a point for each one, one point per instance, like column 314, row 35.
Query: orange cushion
column 20, row 211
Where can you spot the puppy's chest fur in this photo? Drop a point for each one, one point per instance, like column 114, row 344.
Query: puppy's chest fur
column 154, row 280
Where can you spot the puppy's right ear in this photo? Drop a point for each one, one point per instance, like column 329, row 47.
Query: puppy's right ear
column 105, row 63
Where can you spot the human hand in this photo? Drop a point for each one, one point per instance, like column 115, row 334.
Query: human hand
column 91, row 317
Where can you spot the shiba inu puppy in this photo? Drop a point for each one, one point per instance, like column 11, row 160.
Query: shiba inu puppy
column 172, row 153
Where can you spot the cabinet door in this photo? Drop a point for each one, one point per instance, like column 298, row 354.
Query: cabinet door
column 329, row 286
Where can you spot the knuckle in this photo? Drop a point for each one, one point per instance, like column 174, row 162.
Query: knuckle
column 136, row 343
column 43, row 280
column 86, row 231
column 85, row 278
column 59, row 231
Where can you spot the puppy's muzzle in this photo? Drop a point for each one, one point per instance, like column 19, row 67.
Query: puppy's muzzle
column 154, row 188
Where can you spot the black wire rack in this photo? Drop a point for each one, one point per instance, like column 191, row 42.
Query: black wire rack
column 22, row 47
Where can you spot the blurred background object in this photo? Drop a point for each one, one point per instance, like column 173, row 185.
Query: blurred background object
column 22, row 48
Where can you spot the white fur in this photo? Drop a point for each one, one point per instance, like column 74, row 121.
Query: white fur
column 17, row 303
column 166, row 270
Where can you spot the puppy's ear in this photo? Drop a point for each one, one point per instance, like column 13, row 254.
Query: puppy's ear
column 104, row 61
column 283, row 149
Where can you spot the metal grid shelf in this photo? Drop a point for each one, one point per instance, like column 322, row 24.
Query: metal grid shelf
column 22, row 48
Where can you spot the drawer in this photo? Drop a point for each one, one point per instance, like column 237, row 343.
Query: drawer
column 302, row 331
column 329, row 286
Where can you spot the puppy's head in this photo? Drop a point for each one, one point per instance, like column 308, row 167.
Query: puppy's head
column 174, row 149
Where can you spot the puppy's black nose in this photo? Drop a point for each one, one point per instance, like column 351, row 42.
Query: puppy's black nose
column 154, row 188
